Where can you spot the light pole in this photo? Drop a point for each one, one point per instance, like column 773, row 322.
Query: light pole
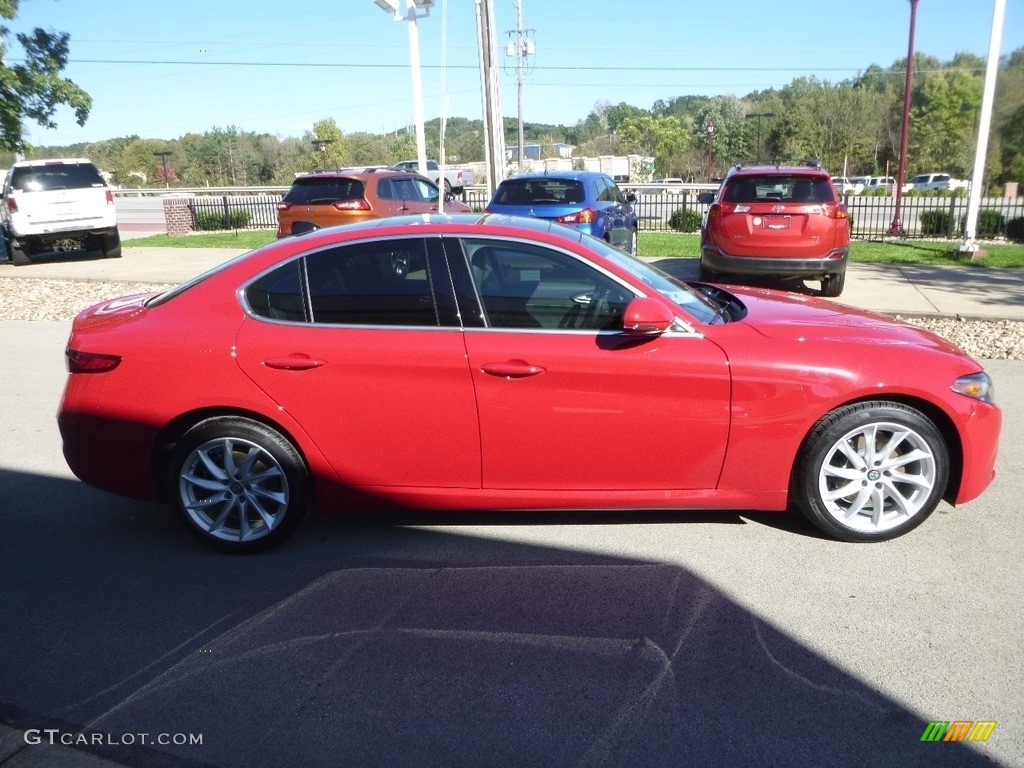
column 758, row 116
column 163, row 154
column 896, row 227
column 711, row 149
column 413, row 10
column 322, row 144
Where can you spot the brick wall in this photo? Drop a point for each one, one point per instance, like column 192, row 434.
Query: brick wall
column 178, row 215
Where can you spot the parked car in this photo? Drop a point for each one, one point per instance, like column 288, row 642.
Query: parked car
column 589, row 201
column 926, row 181
column 777, row 221
column 670, row 186
column 328, row 198
column 454, row 178
column 55, row 208
column 486, row 362
column 887, row 183
column 846, row 186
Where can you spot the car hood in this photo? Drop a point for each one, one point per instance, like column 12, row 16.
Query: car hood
column 795, row 317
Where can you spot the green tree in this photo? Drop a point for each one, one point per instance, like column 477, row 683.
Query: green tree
column 665, row 137
column 33, row 90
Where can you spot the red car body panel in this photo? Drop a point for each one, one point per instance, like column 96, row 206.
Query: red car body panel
column 712, row 417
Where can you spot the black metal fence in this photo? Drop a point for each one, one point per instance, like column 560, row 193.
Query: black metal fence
column 234, row 212
column 871, row 215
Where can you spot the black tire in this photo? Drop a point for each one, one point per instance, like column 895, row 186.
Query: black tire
column 871, row 471
column 111, row 245
column 832, row 285
column 447, row 187
column 16, row 252
column 248, row 500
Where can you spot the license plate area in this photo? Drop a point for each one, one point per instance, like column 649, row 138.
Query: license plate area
column 777, row 222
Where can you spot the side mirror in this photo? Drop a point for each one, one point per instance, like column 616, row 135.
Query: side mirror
column 646, row 317
column 706, row 198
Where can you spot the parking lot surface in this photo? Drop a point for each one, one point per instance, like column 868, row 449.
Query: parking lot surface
column 578, row 639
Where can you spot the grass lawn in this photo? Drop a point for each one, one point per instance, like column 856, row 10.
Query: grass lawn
column 668, row 244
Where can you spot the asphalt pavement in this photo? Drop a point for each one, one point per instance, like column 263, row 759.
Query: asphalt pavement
column 968, row 291
column 587, row 640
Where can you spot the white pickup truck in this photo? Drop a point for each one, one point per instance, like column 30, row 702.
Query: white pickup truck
column 454, row 178
column 926, row 181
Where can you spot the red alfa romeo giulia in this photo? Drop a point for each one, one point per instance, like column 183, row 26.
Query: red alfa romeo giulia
column 488, row 362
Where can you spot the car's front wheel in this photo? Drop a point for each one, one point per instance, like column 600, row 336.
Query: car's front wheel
column 871, row 471
column 237, row 484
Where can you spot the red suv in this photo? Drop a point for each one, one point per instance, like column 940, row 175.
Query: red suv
column 777, row 221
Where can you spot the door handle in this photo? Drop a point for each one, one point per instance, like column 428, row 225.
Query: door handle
column 512, row 369
column 296, row 362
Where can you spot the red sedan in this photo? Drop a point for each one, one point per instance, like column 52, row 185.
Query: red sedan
column 488, row 362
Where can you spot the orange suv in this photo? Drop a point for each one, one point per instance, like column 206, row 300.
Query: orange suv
column 777, row 221
column 328, row 198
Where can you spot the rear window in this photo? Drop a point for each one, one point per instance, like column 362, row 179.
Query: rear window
column 312, row 190
column 540, row 192
column 786, row 189
column 42, row 178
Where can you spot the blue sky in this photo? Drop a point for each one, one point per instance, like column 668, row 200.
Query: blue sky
column 162, row 70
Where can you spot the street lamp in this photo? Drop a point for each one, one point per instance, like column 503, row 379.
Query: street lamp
column 322, row 144
column 758, row 116
column 711, row 148
column 163, row 154
column 896, row 227
column 414, row 10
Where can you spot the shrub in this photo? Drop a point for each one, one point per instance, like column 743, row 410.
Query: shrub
column 685, row 220
column 990, row 223
column 1015, row 229
column 935, row 222
column 209, row 220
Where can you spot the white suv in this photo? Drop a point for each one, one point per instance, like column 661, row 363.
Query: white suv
column 56, row 207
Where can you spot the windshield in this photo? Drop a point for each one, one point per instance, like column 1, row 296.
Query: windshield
column 695, row 303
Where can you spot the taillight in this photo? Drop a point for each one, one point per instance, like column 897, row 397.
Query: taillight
column 110, row 197
column 12, row 204
column 718, row 210
column 834, row 211
column 586, row 216
column 282, row 206
column 90, row 362
column 352, row 205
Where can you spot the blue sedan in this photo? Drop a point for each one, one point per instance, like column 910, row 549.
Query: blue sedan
column 591, row 202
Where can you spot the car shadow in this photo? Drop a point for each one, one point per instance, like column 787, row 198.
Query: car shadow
column 384, row 644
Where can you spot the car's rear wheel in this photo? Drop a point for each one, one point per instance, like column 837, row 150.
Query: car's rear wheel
column 832, row 285
column 871, row 471
column 110, row 245
column 238, row 484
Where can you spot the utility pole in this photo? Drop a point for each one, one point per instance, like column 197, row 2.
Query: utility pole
column 322, row 144
column 896, row 226
column 494, row 123
column 163, row 154
column 521, row 48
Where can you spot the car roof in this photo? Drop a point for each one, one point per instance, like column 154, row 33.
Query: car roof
column 778, row 170
column 573, row 175
column 51, row 161
column 362, row 174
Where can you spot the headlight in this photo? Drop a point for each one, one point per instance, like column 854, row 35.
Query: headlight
column 976, row 385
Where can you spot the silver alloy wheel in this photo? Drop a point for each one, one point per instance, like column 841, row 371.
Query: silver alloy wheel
column 234, row 490
column 878, row 476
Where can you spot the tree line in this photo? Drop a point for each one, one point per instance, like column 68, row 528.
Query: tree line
column 852, row 127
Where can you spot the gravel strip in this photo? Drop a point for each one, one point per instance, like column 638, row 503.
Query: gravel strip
column 42, row 299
